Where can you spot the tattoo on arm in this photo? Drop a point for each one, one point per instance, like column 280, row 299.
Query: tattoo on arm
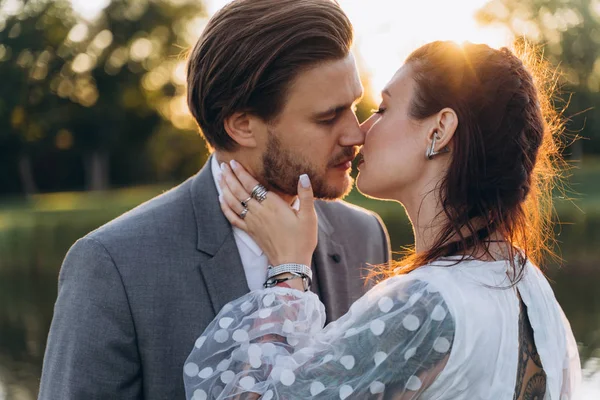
column 531, row 378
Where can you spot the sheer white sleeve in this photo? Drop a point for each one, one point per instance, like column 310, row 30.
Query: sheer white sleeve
column 395, row 340
column 571, row 366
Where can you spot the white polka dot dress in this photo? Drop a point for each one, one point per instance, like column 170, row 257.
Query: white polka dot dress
column 439, row 332
column 272, row 342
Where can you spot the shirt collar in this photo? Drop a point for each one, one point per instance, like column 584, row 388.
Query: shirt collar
column 243, row 236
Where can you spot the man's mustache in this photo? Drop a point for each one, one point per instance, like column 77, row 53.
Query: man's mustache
column 347, row 152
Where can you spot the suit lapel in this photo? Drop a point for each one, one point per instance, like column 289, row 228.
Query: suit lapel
column 329, row 269
column 221, row 266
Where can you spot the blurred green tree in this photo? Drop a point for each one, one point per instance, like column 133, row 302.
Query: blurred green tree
column 569, row 32
column 85, row 89
column 92, row 94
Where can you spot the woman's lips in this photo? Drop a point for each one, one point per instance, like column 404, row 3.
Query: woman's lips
column 361, row 160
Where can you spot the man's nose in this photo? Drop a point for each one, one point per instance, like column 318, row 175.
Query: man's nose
column 353, row 134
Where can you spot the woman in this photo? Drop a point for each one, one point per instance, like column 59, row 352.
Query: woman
column 461, row 142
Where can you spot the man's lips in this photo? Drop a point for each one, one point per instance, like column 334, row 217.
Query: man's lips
column 346, row 164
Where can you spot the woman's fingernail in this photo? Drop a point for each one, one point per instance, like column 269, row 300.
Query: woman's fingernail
column 221, row 198
column 305, row 181
column 223, row 166
column 233, row 164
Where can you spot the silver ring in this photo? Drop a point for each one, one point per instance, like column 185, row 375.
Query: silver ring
column 259, row 193
column 244, row 213
column 245, row 202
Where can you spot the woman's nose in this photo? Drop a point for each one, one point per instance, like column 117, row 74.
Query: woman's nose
column 365, row 126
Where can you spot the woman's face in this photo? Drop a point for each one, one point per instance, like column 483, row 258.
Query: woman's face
column 395, row 165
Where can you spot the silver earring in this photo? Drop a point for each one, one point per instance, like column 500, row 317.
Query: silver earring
column 430, row 153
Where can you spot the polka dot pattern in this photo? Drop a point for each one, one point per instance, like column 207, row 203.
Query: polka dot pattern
column 385, row 304
column 246, row 307
column 348, row 362
column 247, row 382
column 268, row 395
column 327, row 358
column 413, row 383
column 379, row 357
column 411, row 322
column 221, row 336
column 191, row 369
column 200, row 341
column 438, row 313
column 268, row 300
column 316, row 387
column 205, row 373
column 345, row 391
column 199, row 394
column 376, row 387
column 240, row 336
column 282, row 338
column 441, row 345
column 288, row 326
column 377, row 327
column 287, row 377
column 408, row 354
column 223, row 365
column 227, row 376
column 225, row 322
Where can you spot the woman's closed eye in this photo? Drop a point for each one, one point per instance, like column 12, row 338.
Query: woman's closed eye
column 380, row 110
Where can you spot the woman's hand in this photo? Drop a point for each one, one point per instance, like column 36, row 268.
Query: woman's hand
column 284, row 234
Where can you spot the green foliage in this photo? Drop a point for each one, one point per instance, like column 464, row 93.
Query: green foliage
column 87, row 94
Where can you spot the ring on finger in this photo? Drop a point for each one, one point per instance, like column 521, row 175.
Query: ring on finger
column 259, row 192
column 245, row 202
column 244, row 213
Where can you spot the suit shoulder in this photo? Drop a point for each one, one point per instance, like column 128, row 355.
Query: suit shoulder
column 168, row 211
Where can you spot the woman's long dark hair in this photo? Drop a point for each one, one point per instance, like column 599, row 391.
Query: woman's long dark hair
column 505, row 151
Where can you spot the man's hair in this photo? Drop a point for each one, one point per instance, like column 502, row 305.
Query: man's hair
column 250, row 53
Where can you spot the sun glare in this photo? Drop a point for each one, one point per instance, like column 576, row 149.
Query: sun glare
column 387, row 31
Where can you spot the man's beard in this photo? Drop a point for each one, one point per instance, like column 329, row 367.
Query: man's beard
column 282, row 168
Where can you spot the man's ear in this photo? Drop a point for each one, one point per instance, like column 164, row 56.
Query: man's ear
column 239, row 126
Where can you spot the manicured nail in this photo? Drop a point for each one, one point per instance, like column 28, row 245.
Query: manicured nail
column 234, row 164
column 221, row 198
column 305, row 181
column 223, row 166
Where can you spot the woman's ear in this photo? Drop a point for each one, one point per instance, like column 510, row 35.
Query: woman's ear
column 239, row 127
column 446, row 123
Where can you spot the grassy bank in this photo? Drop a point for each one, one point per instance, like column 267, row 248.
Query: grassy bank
column 36, row 233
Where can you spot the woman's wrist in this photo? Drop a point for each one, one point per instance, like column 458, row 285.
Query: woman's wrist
column 304, row 260
column 294, row 282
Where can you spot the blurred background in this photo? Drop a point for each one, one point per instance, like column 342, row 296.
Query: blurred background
column 93, row 121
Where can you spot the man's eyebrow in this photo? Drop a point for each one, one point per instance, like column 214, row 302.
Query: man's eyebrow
column 333, row 110
column 338, row 109
column 387, row 92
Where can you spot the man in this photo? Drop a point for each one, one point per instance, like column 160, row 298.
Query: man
column 272, row 84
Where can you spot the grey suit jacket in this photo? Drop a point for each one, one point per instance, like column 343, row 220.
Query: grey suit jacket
column 136, row 293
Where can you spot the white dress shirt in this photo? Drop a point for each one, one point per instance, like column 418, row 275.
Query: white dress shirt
column 255, row 262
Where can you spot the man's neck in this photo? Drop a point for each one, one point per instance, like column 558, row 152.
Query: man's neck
column 223, row 157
